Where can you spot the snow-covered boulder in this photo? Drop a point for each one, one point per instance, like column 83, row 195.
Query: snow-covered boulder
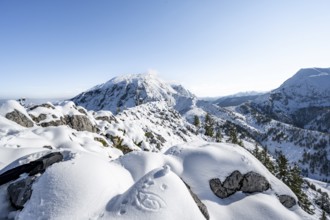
column 12, row 110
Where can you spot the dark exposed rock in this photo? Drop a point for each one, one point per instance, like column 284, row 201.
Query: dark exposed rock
column 248, row 183
column 52, row 123
column 233, row 182
column 14, row 173
column 82, row 111
column 19, row 192
column 32, row 168
column 217, row 188
column 287, row 201
column 19, row 118
column 40, row 118
column 80, row 123
column 109, row 119
column 45, row 105
column 231, row 185
column 254, row 182
column 202, row 207
column 44, row 162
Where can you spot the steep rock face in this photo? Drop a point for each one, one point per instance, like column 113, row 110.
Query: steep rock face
column 132, row 90
column 19, row 118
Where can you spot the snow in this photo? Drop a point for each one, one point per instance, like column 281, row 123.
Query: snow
column 130, row 90
column 97, row 182
column 147, row 185
column 76, row 189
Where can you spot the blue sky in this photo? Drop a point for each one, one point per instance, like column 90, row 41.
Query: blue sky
column 213, row 47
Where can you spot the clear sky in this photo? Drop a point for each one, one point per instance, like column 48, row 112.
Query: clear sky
column 59, row 48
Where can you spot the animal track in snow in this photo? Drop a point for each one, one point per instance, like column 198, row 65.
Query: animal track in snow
column 163, row 187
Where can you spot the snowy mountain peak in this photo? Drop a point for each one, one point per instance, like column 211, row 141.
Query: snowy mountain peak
column 315, row 80
column 307, row 88
column 132, row 90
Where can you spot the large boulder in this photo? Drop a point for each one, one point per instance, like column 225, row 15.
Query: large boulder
column 254, row 182
column 19, row 118
column 231, row 185
column 19, row 192
column 80, row 123
column 287, row 201
column 249, row 183
column 233, row 182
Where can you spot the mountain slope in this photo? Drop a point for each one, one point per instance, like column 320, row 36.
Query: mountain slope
column 132, row 90
column 303, row 100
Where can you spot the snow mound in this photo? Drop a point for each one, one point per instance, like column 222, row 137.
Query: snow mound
column 146, row 185
column 76, row 189
column 154, row 196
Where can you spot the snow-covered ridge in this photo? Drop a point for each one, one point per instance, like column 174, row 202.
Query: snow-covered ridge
column 131, row 90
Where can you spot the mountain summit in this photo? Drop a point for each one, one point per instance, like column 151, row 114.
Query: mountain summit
column 132, row 90
column 302, row 100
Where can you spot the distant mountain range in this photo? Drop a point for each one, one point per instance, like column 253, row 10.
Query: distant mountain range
column 137, row 143
column 272, row 119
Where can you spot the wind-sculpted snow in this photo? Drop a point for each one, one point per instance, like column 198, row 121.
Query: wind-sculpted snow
column 146, row 185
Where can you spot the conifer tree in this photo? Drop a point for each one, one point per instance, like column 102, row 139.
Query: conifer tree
column 208, row 125
column 196, row 121
column 269, row 164
column 218, row 135
column 233, row 136
column 324, row 216
column 256, row 152
column 282, row 168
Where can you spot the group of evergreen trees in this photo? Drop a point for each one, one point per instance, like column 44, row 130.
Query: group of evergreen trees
column 211, row 129
column 290, row 175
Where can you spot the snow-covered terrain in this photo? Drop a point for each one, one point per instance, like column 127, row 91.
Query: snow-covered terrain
column 132, row 90
column 279, row 119
column 128, row 149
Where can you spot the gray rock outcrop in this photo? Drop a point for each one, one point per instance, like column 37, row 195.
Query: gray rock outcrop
column 287, row 201
column 231, row 185
column 32, row 168
column 19, row 192
column 80, row 123
column 19, row 118
column 249, row 183
column 254, row 182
